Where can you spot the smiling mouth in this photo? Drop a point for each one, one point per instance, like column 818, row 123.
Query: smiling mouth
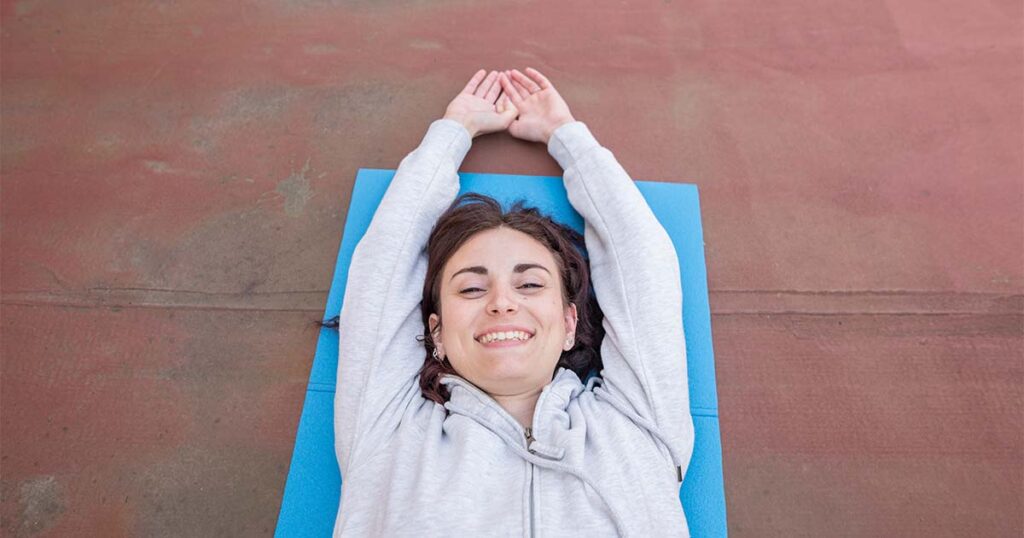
column 506, row 343
column 511, row 342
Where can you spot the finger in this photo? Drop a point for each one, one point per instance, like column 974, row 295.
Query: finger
column 510, row 90
column 485, row 86
column 541, row 79
column 506, row 104
column 474, row 82
column 521, row 89
column 525, row 81
column 492, row 94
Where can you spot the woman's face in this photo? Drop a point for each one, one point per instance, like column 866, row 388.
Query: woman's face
column 503, row 280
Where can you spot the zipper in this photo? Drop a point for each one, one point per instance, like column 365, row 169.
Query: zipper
column 528, row 432
column 533, row 531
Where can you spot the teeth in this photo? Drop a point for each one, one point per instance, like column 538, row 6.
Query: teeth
column 507, row 335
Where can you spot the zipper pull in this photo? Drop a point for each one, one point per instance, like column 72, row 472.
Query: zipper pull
column 529, row 438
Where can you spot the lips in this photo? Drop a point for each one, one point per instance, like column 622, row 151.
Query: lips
column 508, row 343
column 501, row 329
column 512, row 342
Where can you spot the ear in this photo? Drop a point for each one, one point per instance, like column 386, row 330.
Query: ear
column 571, row 320
column 433, row 321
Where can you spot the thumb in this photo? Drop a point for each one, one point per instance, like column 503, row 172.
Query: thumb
column 509, row 114
column 506, row 107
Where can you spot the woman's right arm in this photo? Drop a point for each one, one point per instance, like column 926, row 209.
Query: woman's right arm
column 378, row 354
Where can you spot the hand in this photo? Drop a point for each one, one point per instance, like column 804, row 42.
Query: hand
column 541, row 108
column 478, row 107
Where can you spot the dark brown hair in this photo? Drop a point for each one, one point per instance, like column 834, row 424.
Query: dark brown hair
column 473, row 213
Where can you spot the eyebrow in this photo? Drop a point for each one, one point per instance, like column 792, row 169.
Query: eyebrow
column 481, row 270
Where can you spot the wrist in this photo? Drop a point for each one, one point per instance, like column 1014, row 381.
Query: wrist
column 465, row 124
column 555, row 126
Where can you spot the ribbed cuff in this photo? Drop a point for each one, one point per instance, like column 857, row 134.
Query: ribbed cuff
column 569, row 142
column 453, row 133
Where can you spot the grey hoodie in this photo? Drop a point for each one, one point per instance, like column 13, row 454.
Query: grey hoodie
column 605, row 458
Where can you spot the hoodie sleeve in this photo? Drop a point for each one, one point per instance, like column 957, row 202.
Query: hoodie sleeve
column 378, row 354
column 635, row 273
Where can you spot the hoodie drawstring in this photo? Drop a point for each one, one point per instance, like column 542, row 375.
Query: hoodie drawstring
column 625, row 409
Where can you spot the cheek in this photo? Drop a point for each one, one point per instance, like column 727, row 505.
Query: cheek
column 549, row 308
column 458, row 319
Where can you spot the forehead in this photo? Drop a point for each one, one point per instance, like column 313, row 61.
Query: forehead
column 499, row 249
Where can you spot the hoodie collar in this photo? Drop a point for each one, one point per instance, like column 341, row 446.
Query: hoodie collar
column 467, row 399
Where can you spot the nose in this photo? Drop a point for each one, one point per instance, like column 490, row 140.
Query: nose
column 502, row 301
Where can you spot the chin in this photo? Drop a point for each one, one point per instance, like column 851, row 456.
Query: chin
column 516, row 371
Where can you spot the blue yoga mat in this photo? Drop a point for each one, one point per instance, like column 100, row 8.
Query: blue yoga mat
column 313, row 489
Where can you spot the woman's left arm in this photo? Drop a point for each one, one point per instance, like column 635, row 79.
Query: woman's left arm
column 636, row 276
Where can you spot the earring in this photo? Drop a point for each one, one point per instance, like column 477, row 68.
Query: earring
column 568, row 342
column 438, row 359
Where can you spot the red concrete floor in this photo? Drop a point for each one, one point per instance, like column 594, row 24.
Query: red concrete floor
column 176, row 176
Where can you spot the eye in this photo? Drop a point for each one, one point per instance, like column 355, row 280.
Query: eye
column 527, row 285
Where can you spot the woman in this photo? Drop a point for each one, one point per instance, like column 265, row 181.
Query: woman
column 494, row 433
